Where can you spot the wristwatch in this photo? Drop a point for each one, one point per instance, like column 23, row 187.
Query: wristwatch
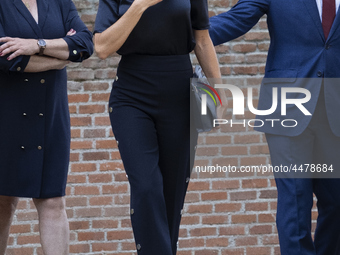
column 42, row 46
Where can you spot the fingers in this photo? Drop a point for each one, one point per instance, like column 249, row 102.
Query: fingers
column 8, row 49
column 9, row 45
column 65, row 64
column 221, row 110
column 14, row 55
column 5, row 39
column 71, row 32
column 18, row 47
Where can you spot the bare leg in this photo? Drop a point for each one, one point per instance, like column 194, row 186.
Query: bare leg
column 53, row 225
column 7, row 209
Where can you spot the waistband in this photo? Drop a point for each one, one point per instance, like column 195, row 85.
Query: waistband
column 156, row 63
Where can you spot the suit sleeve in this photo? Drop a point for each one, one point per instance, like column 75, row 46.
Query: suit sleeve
column 17, row 64
column 80, row 45
column 237, row 21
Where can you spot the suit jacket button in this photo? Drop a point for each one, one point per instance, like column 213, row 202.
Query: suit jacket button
column 327, row 47
column 319, row 74
column 22, row 147
column 132, row 211
column 41, row 115
column 19, row 69
column 39, row 147
column 187, row 180
column 139, row 247
column 26, row 80
column 24, row 114
column 42, row 81
column 75, row 52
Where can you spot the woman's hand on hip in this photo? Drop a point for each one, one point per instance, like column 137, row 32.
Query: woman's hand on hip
column 18, row 47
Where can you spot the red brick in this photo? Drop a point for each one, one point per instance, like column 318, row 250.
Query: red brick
column 77, row 98
column 89, row 109
column 88, row 167
column 243, row 218
column 103, row 155
column 104, row 247
column 87, row 236
column 79, row 248
column 100, row 178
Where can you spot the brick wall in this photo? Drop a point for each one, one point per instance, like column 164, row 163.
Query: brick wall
column 224, row 214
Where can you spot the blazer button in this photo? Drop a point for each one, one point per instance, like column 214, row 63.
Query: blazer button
column 319, row 74
column 187, row 180
column 26, row 80
column 75, row 52
column 111, row 109
column 42, row 81
column 132, row 211
column 41, row 115
column 327, row 47
column 22, row 147
column 139, row 247
column 39, row 148
column 19, row 69
column 24, row 114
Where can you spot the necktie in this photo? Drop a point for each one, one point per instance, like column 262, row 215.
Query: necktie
column 328, row 15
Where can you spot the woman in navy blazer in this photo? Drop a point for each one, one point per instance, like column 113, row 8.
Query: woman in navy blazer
column 37, row 40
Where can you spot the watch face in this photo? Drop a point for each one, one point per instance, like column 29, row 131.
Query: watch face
column 42, row 43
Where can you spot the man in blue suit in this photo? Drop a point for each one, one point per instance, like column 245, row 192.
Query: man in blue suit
column 304, row 53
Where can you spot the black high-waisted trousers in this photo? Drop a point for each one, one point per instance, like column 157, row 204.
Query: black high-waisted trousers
column 150, row 117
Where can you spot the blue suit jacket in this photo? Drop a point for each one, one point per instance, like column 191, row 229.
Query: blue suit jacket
column 298, row 50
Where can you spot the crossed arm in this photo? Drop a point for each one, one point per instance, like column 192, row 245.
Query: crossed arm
column 55, row 54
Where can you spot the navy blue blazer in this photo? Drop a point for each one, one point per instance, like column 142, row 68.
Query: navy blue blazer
column 34, row 115
column 298, row 49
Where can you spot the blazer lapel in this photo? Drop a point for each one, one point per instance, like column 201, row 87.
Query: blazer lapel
column 314, row 13
column 335, row 26
column 42, row 12
column 27, row 15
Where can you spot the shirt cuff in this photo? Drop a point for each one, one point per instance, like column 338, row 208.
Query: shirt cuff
column 74, row 53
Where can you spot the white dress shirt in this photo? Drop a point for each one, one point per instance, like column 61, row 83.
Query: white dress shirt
column 319, row 4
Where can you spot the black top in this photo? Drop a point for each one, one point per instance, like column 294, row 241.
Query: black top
column 164, row 29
